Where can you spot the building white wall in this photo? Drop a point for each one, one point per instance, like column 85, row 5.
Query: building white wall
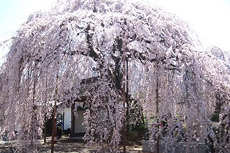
column 79, row 119
column 67, row 116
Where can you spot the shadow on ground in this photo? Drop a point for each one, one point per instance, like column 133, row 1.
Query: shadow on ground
column 76, row 146
column 67, row 145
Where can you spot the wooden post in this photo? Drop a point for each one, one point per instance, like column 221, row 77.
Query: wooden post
column 124, row 132
column 72, row 120
column 127, row 96
column 44, row 134
column 45, row 114
column 54, row 117
column 53, row 130
column 157, row 109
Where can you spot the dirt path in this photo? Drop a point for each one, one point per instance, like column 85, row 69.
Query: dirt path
column 66, row 145
column 79, row 146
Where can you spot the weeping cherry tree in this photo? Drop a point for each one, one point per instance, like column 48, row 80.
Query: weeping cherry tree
column 173, row 82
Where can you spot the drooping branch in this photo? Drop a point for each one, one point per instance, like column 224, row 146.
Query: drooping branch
column 91, row 39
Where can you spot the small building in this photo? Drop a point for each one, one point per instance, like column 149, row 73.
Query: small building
column 71, row 121
column 73, row 118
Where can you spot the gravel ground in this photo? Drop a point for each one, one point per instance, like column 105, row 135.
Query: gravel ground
column 79, row 146
column 66, row 145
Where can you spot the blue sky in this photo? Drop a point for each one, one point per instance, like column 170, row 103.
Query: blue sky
column 14, row 12
column 210, row 19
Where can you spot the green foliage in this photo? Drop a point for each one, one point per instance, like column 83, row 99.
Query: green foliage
column 49, row 125
column 136, row 132
column 215, row 117
column 66, row 132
